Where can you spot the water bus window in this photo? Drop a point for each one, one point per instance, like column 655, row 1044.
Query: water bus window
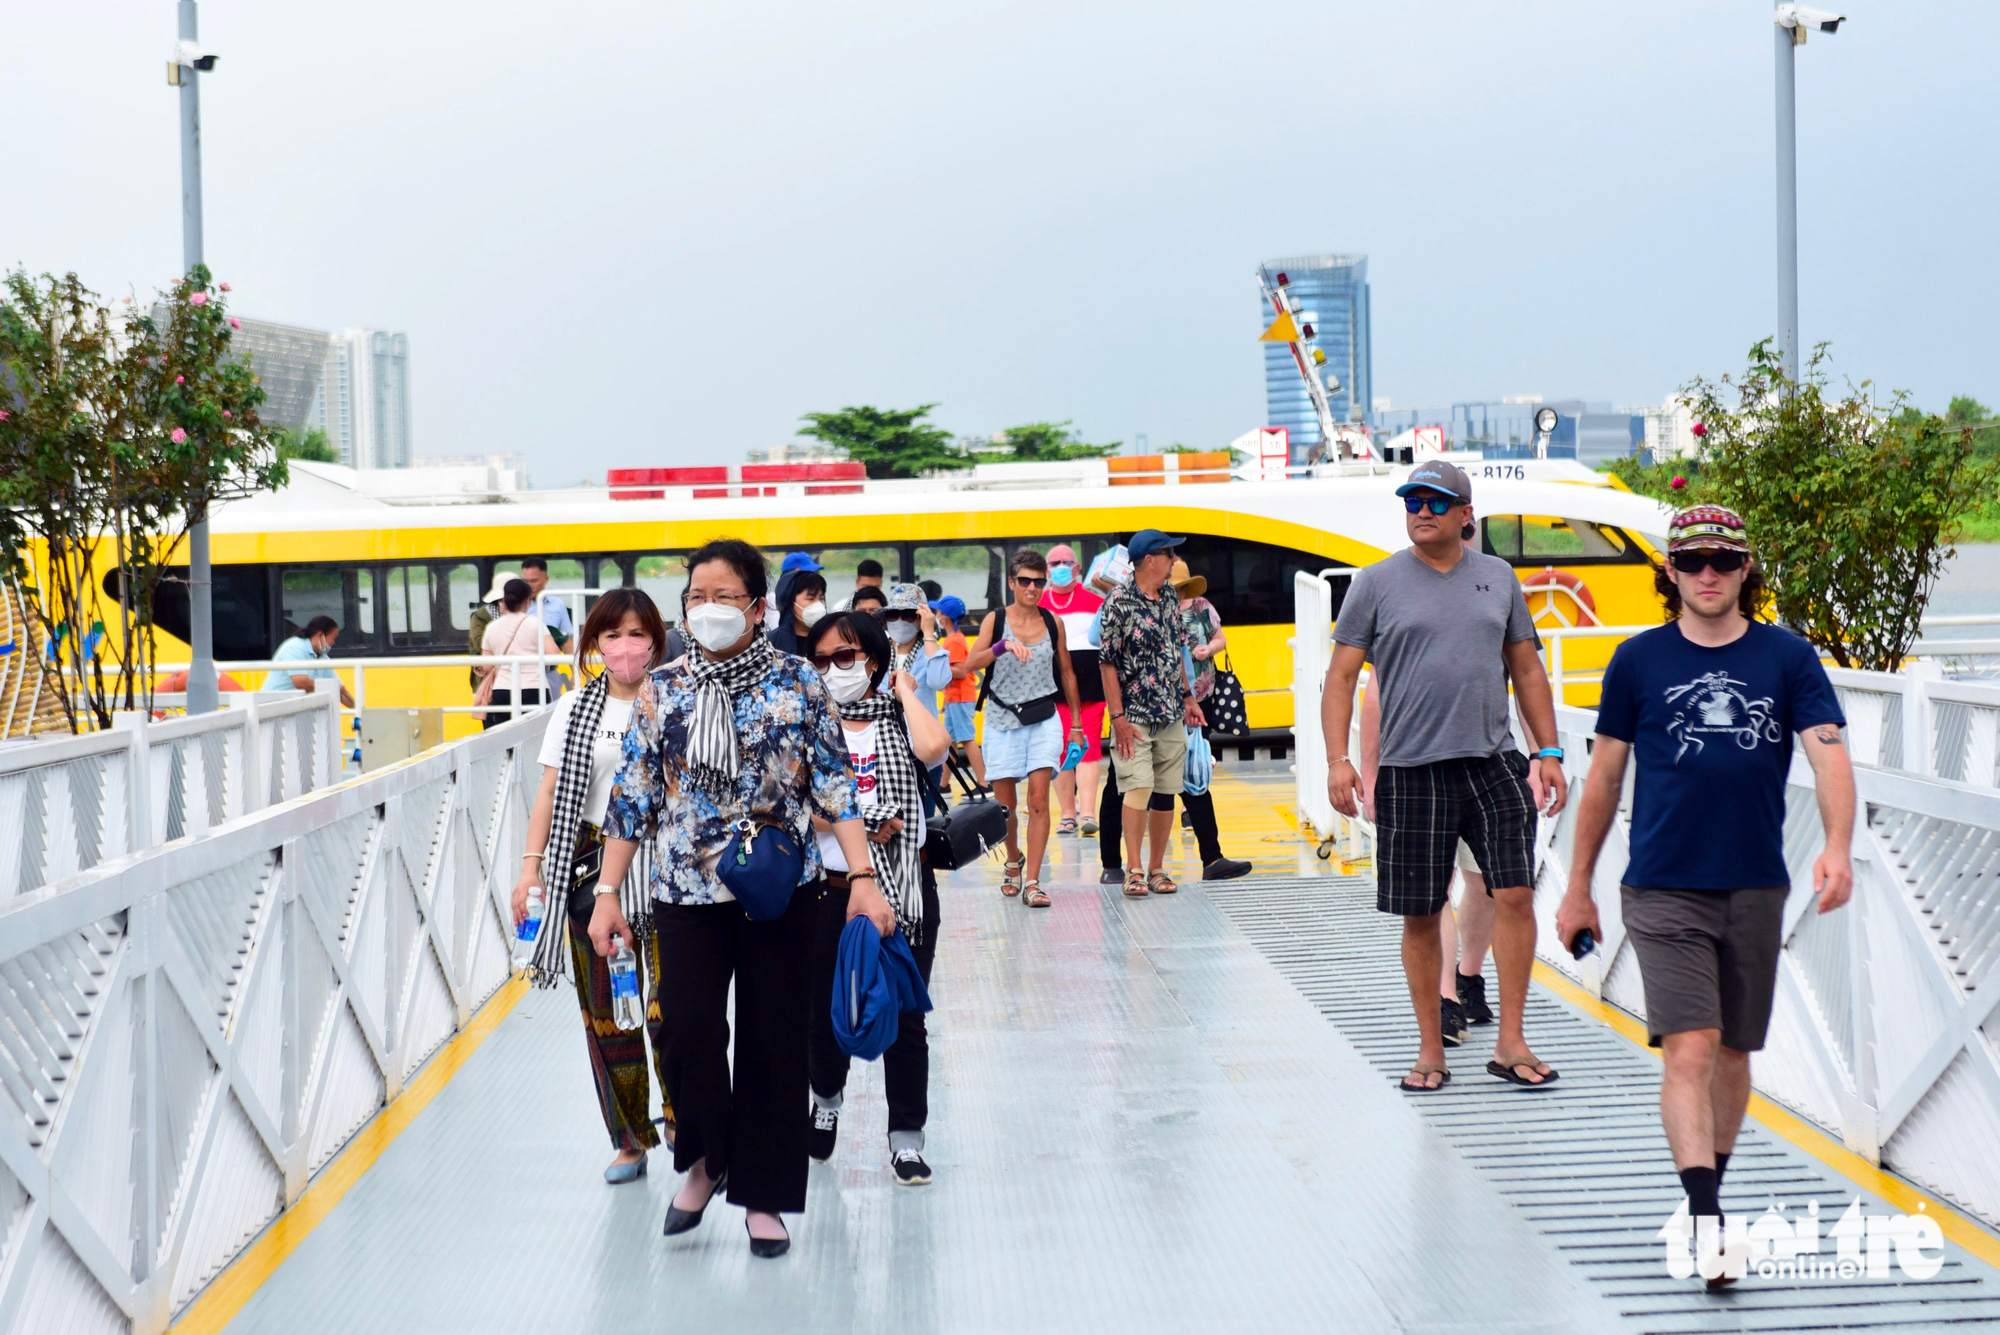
column 972, row 571
column 348, row 596
column 1542, row 539
column 241, row 603
column 838, row 563
column 1250, row 583
column 427, row 603
column 662, row 578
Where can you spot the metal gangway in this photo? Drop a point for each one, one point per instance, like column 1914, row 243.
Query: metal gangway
column 274, row 1074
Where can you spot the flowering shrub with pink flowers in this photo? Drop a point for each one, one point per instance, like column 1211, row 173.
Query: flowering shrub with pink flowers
column 118, row 431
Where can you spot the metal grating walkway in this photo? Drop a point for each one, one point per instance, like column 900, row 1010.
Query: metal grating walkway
column 1585, row 1160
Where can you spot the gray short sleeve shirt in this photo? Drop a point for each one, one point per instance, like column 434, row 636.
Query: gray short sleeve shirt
column 1436, row 641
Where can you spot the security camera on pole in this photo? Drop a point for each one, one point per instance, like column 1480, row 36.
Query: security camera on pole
column 190, row 61
column 1792, row 22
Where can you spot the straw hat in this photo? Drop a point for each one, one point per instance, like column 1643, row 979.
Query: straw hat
column 1185, row 584
column 499, row 590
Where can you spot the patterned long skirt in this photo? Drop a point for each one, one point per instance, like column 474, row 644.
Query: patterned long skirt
column 617, row 1056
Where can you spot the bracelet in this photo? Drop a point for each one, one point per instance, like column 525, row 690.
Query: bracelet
column 536, row 856
column 1340, row 760
column 854, row 876
column 1119, row 714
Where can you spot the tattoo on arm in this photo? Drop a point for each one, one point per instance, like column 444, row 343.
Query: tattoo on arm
column 1827, row 735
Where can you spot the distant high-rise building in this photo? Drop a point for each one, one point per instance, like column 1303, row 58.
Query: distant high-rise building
column 363, row 403
column 289, row 362
column 1333, row 298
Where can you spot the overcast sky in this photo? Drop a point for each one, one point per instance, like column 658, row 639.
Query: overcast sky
column 646, row 233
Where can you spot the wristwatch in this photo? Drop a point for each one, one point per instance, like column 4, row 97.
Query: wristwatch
column 1554, row 753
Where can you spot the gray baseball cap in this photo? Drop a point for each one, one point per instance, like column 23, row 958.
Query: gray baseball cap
column 1438, row 475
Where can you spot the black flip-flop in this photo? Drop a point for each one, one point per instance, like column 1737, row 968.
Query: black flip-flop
column 1507, row 1073
column 1408, row 1088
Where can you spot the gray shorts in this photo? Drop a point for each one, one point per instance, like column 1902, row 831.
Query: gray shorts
column 1708, row 959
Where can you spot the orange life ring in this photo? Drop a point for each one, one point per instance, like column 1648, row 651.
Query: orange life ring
column 1549, row 581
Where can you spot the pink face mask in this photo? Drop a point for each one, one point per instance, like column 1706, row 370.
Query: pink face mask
column 627, row 658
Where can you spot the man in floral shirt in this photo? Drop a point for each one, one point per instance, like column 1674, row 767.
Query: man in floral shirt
column 1143, row 660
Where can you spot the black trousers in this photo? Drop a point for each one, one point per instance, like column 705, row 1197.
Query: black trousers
column 501, row 701
column 906, row 1066
column 1111, row 822
column 755, row 1128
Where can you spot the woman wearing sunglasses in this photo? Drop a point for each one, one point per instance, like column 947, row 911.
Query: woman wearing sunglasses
column 891, row 738
column 581, row 753
column 1028, row 652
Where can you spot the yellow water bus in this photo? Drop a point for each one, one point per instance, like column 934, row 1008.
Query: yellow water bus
column 402, row 579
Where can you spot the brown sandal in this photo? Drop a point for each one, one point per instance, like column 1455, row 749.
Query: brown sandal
column 1010, row 877
column 1421, row 1072
column 1135, row 884
column 1161, row 884
column 1034, row 896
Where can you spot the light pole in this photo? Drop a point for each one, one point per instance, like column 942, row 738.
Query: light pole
column 1790, row 25
column 189, row 62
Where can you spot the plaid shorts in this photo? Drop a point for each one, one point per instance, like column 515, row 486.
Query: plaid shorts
column 1422, row 811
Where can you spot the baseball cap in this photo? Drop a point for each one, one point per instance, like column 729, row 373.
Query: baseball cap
column 1149, row 540
column 1707, row 526
column 1438, row 475
column 798, row 561
column 950, row 605
column 905, row 597
column 1062, row 551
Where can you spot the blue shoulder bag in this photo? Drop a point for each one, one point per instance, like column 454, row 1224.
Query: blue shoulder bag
column 761, row 864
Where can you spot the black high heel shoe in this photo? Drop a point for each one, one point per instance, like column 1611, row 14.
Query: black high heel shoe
column 768, row 1247
column 680, row 1221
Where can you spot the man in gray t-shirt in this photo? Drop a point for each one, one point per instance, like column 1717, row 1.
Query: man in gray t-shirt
column 1446, row 629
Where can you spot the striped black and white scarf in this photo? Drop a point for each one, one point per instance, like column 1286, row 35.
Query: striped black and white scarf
column 713, row 762
column 897, row 794
column 551, row 962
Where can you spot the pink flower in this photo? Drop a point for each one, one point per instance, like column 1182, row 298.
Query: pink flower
column 197, row 298
column 235, row 323
column 227, row 413
column 224, row 286
column 180, row 380
column 1700, row 430
column 179, row 436
column 1678, row 483
column 4, row 414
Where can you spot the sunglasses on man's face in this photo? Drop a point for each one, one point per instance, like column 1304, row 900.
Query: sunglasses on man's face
column 1030, row 582
column 1437, row 504
column 839, row 658
column 1693, row 563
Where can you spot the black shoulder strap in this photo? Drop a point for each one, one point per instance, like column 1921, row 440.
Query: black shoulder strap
column 986, row 677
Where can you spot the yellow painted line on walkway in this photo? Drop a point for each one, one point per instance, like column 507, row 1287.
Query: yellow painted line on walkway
column 219, row 1303
column 1967, row 1232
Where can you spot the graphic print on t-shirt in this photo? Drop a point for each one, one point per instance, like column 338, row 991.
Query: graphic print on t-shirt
column 1716, row 705
column 864, row 778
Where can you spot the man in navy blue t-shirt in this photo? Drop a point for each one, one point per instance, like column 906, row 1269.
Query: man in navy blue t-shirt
column 1709, row 704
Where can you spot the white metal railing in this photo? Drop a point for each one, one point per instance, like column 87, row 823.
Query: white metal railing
column 362, row 666
column 192, row 1032
column 70, row 803
column 1887, row 1010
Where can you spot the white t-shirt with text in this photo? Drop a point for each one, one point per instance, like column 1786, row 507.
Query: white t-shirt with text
column 607, row 751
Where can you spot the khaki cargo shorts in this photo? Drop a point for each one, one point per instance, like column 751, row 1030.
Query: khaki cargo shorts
column 1158, row 763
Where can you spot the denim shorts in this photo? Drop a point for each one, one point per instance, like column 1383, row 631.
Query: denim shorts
column 958, row 720
column 1015, row 753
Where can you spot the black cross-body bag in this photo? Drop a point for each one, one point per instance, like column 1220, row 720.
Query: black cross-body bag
column 1028, row 712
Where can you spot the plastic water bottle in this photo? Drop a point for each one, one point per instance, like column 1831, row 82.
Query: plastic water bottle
column 529, row 930
column 625, row 1006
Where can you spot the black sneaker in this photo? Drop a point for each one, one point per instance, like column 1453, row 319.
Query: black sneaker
column 1225, row 869
column 1112, row 876
column 1472, row 997
column 823, row 1132
column 911, row 1170
column 1451, row 1021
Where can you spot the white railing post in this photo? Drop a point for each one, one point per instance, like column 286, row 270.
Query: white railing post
column 250, row 768
column 327, row 760
column 139, row 780
column 1919, row 745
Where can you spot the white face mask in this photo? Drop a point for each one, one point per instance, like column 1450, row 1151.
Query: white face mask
column 902, row 632
column 715, row 626
column 848, row 684
column 810, row 613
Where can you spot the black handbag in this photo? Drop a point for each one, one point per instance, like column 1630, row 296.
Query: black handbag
column 968, row 829
column 1029, row 712
column 1227, row 711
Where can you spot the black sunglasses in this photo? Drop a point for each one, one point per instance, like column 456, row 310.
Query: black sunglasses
column 1693, row 563
column 839, row 658
column 901, row 614
column 1438, row 504
column 1030, row 582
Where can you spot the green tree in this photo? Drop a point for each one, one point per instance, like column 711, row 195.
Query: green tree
column 1851, row 508
column 309, row 443
column 1046, row 442
column 1966, row 411
column 889, row 442
column 113, row 440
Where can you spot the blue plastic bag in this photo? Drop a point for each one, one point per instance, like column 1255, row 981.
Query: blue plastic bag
column 1199, row 767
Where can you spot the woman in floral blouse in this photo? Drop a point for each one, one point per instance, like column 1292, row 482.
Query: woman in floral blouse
column 734, row 730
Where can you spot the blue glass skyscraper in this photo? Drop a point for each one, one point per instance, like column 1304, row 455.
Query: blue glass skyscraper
column 1333, row 298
